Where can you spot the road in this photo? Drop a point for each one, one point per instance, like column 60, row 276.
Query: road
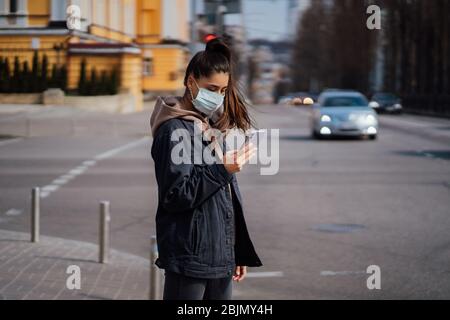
column 334, row 208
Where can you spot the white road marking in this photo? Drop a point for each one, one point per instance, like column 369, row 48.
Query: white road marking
column 4, row 143
column 60, row 181
column 50, row 188
column 89, row 162
column 63, row 179
column 44, row 194
column 268, row 274
column 77, row 171
column 340, row 273
column 115, row 151
column 66, row 176
column 13, row 212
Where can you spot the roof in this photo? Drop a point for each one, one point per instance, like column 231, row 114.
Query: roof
column 102, row 48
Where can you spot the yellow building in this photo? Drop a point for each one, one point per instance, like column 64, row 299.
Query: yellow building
column 145, row 39
column 162, row 34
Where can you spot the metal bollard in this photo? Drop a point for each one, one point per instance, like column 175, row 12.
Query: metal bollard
column 155, row 274
column 28, row 127
column 105, row 218
column 35, row 212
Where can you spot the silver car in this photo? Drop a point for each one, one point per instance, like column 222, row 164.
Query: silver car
column 343, row 113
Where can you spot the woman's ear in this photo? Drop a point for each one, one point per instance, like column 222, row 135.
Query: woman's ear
column 189, row 83
column 191, row 87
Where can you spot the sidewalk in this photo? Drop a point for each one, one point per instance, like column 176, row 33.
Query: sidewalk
column 8, row 109
column 422, row 126
column 32, row 271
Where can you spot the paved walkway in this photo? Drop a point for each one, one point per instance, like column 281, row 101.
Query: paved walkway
column 39, row 270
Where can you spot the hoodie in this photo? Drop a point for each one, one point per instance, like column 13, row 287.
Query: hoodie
column 168, row 107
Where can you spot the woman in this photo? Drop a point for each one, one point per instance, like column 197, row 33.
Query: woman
column 203, row 241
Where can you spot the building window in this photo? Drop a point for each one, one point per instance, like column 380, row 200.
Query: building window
column 12, row 6
column 173, row 75
column 58, row 10
column 147, row 67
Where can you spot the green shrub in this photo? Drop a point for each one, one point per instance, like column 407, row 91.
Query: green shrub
column 106, row 83
column 82, row 80
column 24, row 80
column 43, row 81
column 26, row 77
column 35, row 73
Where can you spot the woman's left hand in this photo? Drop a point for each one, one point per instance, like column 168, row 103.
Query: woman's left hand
column 239, row 273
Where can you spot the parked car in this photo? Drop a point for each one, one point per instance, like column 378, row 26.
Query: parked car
column 296, row 99
column 384, row 102
column 285, row 99
column 343, row 113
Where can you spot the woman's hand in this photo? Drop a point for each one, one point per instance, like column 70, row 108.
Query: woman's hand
column 235, row 159
column 239, row 273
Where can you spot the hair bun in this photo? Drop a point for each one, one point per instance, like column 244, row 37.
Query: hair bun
column 217, row 45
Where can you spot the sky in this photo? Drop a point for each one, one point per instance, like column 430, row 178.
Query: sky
column 264, row 19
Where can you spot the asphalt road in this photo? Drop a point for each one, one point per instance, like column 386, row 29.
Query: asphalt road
column 334, row 208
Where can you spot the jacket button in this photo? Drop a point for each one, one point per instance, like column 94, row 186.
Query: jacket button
column 229, row 214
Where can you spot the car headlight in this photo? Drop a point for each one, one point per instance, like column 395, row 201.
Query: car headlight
column 374, row 104
column 370, row 118
column 372, row 130
column 397, row 106
column 325, row 118
column 325, row 131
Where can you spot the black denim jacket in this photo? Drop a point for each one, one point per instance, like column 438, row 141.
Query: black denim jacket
column 200, row 225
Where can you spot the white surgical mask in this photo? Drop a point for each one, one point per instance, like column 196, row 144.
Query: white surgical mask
column 207, row 101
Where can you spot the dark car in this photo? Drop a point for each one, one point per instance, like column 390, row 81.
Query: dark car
column 384, row 102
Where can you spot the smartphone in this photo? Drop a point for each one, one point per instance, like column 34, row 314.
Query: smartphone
column 251, row 136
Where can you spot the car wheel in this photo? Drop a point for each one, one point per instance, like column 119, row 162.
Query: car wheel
column 373, row 137
column 316, row 136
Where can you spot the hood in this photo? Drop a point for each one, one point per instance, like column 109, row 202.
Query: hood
column 169, row 107
column 337, row 111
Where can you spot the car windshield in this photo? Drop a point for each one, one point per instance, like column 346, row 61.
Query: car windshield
column 345, row 102
column 385, row 97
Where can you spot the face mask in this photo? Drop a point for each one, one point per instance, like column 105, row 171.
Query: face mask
column 207, row 101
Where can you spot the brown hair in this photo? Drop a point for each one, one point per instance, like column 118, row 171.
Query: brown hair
column 217, row 57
